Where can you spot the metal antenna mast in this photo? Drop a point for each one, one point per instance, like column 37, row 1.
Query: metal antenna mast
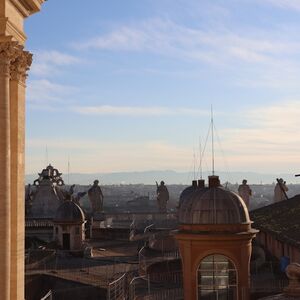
column 200, row 158
column 47, row 159
column 212, row 142
column 68, row 169
column 194, row 164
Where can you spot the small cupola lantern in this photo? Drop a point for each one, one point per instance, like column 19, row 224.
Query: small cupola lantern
column 69, row 224
column 214, row 239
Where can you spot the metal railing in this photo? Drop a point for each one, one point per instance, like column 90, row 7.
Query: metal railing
column 138, row 284
column 128, row 220
column 117, row 290
column 174, row 294
column 146, row 261
column 97, row 273
column 48, row 296
column 163, row 285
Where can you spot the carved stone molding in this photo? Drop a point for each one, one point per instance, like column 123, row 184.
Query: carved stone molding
column 14, row 61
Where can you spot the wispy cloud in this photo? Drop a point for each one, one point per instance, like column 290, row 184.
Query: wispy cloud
column 49, row 63
column 254, row 56
column 269, row 142
column 287, row 4
column 45, row 94
column 138, row 111
column 169, row 38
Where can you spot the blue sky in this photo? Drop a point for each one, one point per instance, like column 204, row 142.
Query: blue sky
column 128, row 85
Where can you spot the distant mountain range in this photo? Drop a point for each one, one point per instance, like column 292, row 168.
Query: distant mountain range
column 169, row 176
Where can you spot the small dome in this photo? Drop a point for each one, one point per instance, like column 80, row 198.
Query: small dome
column 186, row 193
column 189, row 191
column 186, row 204
column 213, row 205
column 69, row 212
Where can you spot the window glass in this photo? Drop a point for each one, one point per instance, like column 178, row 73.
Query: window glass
column 217, row 279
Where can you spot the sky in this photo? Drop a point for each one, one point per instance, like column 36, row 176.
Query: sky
column 128, row 85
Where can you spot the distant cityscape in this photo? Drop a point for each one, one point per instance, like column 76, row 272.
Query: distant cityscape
column 171, row 177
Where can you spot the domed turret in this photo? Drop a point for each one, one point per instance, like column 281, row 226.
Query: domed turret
column 47, row 194
column 69, row 224
column 69, row 212
column 214, row 233
column 187, row 192
column 186, row 198
column 213, row 205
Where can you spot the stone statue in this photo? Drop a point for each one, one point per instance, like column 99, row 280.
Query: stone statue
column 96, row 197
column 280, row 190
column 28, row 199
column 162, row 196
column 245, row 192
column 75, row 197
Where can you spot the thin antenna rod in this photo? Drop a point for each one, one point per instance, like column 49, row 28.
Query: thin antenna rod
column 68, row 169
column 47, row 159
column 194, row 164
column 200, row 158
column 212, row 142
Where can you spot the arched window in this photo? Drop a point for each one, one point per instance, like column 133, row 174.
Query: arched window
column 217, row 278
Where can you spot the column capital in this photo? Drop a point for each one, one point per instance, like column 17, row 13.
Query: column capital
column 8, row 53
column 14, row 60
column 20, row 65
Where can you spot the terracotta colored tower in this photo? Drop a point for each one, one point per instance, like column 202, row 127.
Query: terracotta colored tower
column 215, row 243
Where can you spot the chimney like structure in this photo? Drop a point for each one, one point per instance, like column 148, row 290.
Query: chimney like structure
column 213, row 181
column 201, row 183
column 194, row 183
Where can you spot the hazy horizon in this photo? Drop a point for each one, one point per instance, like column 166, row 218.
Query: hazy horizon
column 169, row 176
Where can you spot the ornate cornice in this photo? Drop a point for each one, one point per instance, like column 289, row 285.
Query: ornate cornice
column 27, row 7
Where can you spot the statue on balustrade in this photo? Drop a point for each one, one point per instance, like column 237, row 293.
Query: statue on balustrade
column 96, row 197
column 162, row 196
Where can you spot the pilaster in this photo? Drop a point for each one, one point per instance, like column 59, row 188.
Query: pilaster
column 18, row 74
column 7, row 55
column 14, row 62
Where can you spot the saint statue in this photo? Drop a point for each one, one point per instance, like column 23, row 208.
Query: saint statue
column 280, row 190
column 96, row 197
column 162, row 196
column 245, row 192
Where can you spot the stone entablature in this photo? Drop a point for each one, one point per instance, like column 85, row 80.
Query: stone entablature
column 12, row 15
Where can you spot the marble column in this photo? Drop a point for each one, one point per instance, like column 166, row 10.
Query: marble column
column 18, row 70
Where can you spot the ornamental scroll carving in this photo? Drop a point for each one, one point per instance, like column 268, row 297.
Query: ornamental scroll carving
column 14, row 61
column 20, row 66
